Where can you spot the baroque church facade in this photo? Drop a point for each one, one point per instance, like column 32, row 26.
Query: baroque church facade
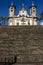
column 23, row 18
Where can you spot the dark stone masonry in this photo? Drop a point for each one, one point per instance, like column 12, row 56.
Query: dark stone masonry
column 21, row 45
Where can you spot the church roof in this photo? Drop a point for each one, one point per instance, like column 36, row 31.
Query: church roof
column 22, row 9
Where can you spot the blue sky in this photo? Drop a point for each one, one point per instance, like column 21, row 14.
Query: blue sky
column 4, row 4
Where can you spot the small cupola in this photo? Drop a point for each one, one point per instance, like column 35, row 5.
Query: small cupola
column 33, row 5
column 12, row 5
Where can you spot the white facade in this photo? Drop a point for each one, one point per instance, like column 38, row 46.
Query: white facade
column 22, row 18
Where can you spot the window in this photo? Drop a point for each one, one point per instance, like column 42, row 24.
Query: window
column 23, row 20
column 17, row 23
column 23, row 11
column 10, row 20
column 33, row 10
column 33, row 7
column 11, row 9
column 28, row 23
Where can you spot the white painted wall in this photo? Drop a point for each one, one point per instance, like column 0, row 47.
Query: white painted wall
column 30, row 21
column 35, row 23
column 23, row 23
column 10, row 23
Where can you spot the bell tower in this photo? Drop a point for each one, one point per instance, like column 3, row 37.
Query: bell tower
column 33, row 14
column 11, row 14
column 11, row 10
column 33, row 10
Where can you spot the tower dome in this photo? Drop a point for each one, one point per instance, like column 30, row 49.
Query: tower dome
column 12, row 5
column 33, row 5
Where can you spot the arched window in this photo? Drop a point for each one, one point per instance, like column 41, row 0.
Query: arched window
column 17, row 23
column 23, row 20
column 10, row 22
column 33, row 9
column 11, row 9
column 28, row 23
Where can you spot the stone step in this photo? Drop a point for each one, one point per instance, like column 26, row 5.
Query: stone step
column 21, row 40
column 29, row 64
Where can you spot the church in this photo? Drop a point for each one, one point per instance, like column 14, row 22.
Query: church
column 23, row 18
column 21, row 42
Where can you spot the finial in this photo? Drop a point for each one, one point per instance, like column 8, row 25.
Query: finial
column 22, row 5
column 32, row 3
column 11, row 3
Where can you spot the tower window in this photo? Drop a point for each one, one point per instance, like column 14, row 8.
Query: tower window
column 33, row 10
column 11, row 7
column 11, row 10
column 10, row 20
column 23, row 19
column 23, row 11
column 33, row 7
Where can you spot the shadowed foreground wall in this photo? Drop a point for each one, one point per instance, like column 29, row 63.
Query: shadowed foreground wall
column 21, row 45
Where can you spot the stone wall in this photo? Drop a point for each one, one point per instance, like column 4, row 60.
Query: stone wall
column 21, row 44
